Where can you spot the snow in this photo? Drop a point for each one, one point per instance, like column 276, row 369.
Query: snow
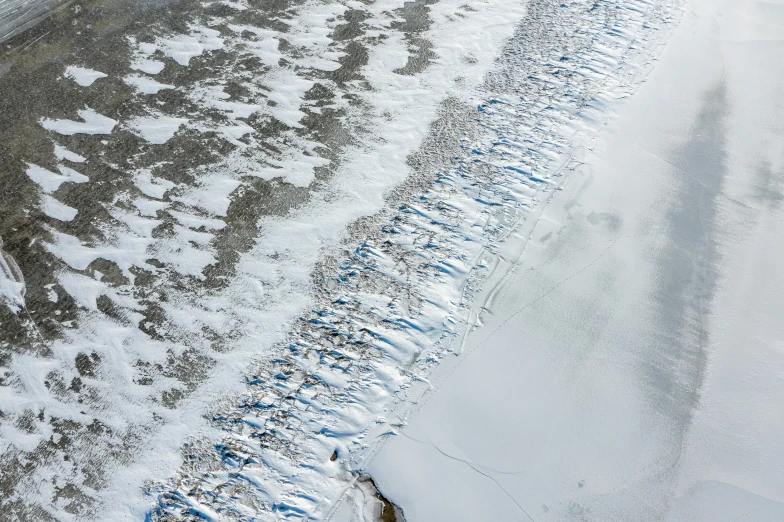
column 287, row 89
column 62, row 153
column 83, row 76
column 339, row 359
column 183, row 48
column 276, row 272
column 348, row 399
column 212, row 195
column 156, row 129
column 50, row 181
column 196, row 222
column 148, row 66
column 266, row 47
column 152, row 186
column 19, row 15
column 93, row 123
column 625, row 360
column 12, row 285
column 214, row 96
column 146, row 85
column 57, row 210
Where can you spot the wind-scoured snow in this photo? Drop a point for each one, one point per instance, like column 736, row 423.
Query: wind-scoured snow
column 180, row 285
column 148, row 66
column 146, row 85
column 57, row 210
column 18, row 15
column 62, row 153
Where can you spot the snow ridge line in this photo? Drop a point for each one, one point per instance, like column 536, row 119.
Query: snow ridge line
column 394, row 307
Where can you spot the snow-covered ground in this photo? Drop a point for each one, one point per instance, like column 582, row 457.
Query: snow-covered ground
column 628, row 364
column 170, row 233
column 256, row 251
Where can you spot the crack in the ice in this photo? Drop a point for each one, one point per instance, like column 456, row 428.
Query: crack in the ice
column 401, row 432
column 474, row 465
column 470, row 465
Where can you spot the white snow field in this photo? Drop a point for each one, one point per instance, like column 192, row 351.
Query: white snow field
column 627, row 363
column 527, row 272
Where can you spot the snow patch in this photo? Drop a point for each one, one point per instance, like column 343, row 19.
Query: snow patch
column 182, row 48
column 62, row 153
column 148, row 66
column 12, row 285
column 156, row 129
column 83, row 76
column 145, row 85
column 93, row 123
column 150, row 185
column 57, row 210
column 50, row 181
